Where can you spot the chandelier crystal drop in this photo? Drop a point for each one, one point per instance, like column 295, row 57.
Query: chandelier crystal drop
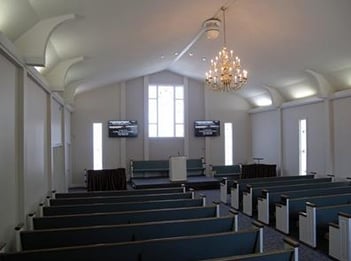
column 225, row 72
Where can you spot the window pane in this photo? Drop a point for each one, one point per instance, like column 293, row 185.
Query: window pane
column 152, row 91
column 165, row 111
column 97, row 146
column 152, row 130
column 302, row 147
column 228, row 143
column 179, row 92
column 180, row 130
column 152, row 111
column 179, row 113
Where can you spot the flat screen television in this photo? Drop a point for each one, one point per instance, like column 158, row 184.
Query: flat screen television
column 122, row 129
column 207, row 128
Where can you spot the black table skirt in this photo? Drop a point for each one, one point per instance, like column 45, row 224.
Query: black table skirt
column 258, row 170
column 106, row 179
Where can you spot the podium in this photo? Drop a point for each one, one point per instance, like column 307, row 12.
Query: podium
column 177, row 168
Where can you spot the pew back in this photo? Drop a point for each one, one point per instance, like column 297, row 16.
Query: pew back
column 128, row 217
column 114, row 199
column 170, row 249
column 52, row 238
column 119, row 193
column 123, row 206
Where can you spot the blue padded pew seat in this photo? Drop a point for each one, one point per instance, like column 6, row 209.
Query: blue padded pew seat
column 171, row 249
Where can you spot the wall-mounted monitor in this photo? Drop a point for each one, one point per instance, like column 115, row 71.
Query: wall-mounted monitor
column 206, row 128
column 122, row 129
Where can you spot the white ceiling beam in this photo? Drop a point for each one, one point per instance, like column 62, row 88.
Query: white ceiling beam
column 57, row 76
column 324, row 87
column 276, row 97
column 32, row 44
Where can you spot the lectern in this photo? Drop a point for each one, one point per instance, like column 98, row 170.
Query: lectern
column 177, row 168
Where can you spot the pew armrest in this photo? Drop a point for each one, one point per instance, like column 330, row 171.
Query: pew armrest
column 2, row 247
column 233, row 211
column 302, row 213
column 290, row 242
column 334, row 225
column 279, row 205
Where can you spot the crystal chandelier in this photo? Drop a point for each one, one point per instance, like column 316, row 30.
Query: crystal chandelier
column 225, row 72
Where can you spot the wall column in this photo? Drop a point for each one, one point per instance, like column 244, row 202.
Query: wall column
column 329, row 137
column 123, row 116
column 146, row 112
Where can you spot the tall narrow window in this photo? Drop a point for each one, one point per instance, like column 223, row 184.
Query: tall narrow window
column 166, row 111
column 228, row 143
column 302, row 147
column 97, row 145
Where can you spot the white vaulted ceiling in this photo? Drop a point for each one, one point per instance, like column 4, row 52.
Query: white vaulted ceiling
column 291, row 49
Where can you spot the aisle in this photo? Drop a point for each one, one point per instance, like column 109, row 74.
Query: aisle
column 272, row 239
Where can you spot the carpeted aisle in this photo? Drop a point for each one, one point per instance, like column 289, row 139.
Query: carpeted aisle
column 272, row 239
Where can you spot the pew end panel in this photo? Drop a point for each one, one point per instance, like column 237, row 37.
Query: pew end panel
column 259, row 244
column 223, row 190
column 247, row 202
column 282, row 221
column 307, row 225
column 340, row 237
column 235, row 220
column 263, row 207
column 334, row 241
column 234, row 196
column 18, row 229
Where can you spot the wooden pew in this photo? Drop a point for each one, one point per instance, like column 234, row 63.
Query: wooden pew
column 120, row 193
column 53, row 238
column 127, row 217
column 239, row 186
column 291, row 203
column 289, row 253
column 171, row 249
column 123, row 206
column 269, row 197
column 254, row 190
column 120, row 199
column 340, row 237
column 313, row 223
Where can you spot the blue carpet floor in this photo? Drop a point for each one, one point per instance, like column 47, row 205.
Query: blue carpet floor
column 272, row 239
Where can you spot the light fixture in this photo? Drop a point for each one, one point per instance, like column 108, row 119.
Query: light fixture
column 212, row 28
column 225, row 72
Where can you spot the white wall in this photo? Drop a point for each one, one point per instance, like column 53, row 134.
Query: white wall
column 228, row 107
column 341, row 137
column 96, row 106
column 56, row 123
column 128, row 101
column 8, row 161
column 315, row 116
column 36, row 175
column 25, row 129
column 196, row 111
column 265, row 131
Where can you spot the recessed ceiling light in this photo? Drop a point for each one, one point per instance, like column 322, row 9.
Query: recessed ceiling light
column 203, row 59
column 191, row 54
column 176, row 53
column 162, row 56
